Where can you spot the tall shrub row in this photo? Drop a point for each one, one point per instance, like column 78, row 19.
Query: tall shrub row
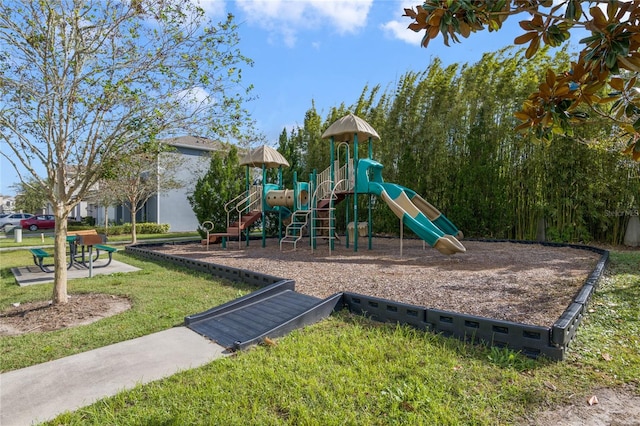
column 447, row 133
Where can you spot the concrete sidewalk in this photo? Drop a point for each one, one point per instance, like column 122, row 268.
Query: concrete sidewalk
column 41, row 392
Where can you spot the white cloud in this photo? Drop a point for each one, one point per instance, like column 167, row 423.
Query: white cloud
column 194, row 98
column 398, row 30
column 346, row 16
column 284, row 19
column 211, row 7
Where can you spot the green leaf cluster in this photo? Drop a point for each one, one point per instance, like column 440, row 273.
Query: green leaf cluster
column 612, row 52
column 31, row 196
column 223, row 181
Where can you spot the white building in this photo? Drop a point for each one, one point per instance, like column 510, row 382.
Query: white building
column 7, row 203
column 172, row 207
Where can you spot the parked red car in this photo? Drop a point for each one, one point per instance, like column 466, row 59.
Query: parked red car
column 41, row 221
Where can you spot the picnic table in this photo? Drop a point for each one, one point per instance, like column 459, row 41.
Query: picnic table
column 81, row 251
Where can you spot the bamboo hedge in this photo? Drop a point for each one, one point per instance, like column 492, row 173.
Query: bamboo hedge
column 447, row 133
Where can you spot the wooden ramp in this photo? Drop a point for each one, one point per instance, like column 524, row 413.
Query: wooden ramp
column 271, row 312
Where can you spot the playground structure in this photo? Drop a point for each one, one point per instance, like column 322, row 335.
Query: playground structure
column 310, row 207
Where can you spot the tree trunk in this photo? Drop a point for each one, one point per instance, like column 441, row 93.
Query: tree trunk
column 106, row 220
column 60, row 257
column 134, row 237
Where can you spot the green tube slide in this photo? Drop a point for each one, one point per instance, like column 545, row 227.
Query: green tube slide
column 415, row 212
column 412, row 217
column 434, row 215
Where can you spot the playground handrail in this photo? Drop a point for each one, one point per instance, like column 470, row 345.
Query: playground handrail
column 332, row 196
column 247, row 201
column 324, row 177
column 344, row 177
column 322, row 189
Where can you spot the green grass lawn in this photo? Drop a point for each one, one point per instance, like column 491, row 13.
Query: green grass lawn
column 161, row 297
column 343, row 370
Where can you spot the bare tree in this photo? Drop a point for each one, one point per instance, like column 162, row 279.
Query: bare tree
column 103, row 195
column 82, row 81
column 142, row 176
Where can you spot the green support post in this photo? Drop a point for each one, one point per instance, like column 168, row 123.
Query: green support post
column 346, row 221
column 370, row 218
column 312, row 233
column 332, row 179
column 370, row 224
column 346, row 203
column 355, row 192
column 247, row 187
column 262, row 201
column 296, row 191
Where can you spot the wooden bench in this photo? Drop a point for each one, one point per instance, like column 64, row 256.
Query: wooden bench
column 82, row 232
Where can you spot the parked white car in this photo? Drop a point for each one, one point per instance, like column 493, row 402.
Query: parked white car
column 13, row 219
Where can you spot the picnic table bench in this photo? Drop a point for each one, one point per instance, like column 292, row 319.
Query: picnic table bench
column 38, row 258
column 87, row 240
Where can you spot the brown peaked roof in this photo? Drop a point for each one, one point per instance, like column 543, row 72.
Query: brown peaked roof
column 344, row 129
column 264, row 155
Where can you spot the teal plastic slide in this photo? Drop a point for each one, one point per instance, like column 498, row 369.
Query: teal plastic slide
column 413, row 210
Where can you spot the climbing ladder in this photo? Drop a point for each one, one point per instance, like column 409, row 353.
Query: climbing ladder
column 327, row 194
column 322, row 225
column 294, row 231
column 320, row 219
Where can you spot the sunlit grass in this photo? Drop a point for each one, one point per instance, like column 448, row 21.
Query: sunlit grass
column 610, row 335
column 346, row 369
column 161, row 297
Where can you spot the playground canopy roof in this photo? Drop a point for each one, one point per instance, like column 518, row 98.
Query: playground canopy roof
column 266, row 156
column 345, row 128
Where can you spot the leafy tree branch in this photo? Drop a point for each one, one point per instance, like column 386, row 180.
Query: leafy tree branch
column 85, row 82
column 603, row 78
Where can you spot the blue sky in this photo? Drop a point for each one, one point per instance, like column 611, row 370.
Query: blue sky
column 326, row 51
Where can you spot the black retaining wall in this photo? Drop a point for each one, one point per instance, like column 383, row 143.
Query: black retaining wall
column 533, row 341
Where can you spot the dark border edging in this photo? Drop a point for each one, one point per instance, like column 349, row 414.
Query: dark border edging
column 227, row 272
column 533, row 341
